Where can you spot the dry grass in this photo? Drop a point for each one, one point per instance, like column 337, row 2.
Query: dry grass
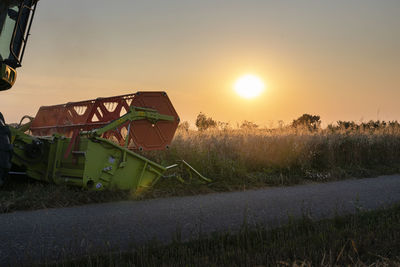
column 240, row 159
column 22, row 193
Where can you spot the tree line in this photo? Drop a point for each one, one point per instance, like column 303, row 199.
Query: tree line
column 307, row 122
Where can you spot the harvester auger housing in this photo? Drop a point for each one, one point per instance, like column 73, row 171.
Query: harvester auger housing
column 91, row 143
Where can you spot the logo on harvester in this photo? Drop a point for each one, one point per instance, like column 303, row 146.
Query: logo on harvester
column 98, row 185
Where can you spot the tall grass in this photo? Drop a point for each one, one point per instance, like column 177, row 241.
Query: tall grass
column 243, row 158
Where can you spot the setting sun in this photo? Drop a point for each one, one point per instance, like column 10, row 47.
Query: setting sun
column 249, row 86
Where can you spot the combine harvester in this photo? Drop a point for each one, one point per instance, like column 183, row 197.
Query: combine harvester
column 91, row 144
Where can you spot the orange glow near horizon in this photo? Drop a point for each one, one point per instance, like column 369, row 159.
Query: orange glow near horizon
column 197, row 50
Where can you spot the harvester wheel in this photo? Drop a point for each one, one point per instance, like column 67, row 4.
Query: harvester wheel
column 5, row 150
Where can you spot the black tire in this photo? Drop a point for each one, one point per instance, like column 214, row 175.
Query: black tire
column 5, row 150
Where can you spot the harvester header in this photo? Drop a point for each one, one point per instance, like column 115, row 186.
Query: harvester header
column 92, row 143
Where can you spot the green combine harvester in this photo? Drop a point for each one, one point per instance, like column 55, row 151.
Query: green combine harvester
column 92, row 144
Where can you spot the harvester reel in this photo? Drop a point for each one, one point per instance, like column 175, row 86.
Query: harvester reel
column 71, row 118
column 5, row 150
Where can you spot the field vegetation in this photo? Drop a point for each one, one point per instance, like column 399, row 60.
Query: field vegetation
column 243, row 157
column 248, row 156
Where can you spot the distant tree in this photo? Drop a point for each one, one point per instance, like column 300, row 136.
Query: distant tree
column 394, row 124
column 307, row 121
column 347, row 125
column 223, row 125
column 373, row 125
column 184, row 126
column 203, row 122
column 248, row 125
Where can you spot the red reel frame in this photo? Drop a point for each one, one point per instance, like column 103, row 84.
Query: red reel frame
column 71, row 118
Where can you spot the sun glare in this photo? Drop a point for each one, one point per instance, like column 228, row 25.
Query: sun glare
column 249, row 86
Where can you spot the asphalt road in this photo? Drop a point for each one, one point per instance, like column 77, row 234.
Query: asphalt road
column 46, row 235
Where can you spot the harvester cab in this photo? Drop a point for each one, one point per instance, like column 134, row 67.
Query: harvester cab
column 15, row 22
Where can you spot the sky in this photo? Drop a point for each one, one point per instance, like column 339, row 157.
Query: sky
column 337, row 59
